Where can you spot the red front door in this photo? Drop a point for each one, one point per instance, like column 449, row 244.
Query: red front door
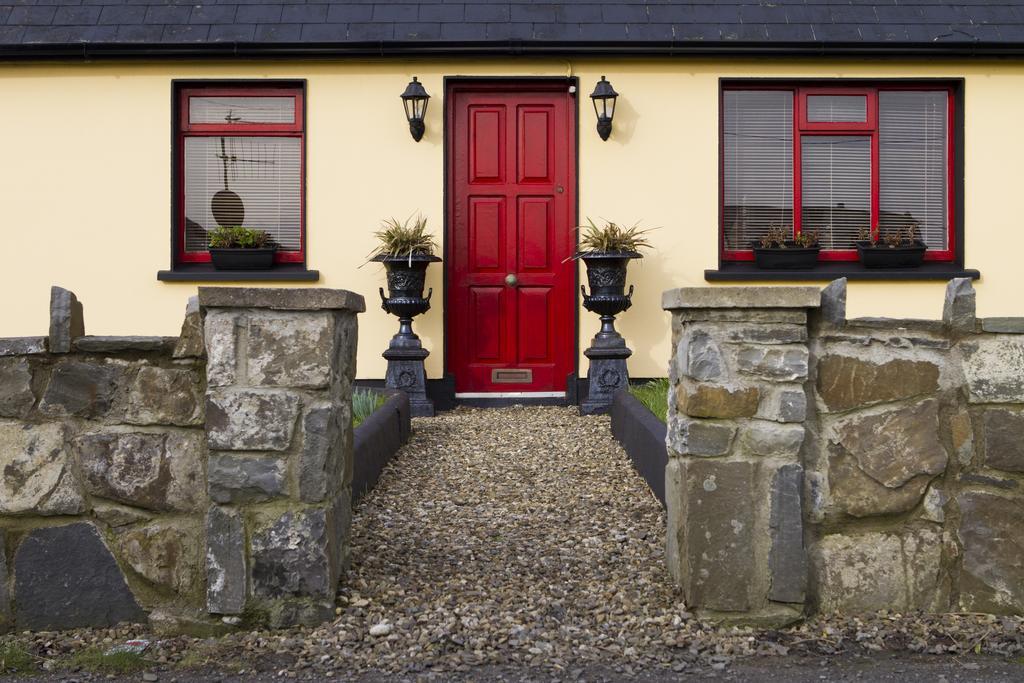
column 511, row 218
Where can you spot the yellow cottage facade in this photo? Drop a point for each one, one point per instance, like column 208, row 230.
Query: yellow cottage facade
column 94, row 182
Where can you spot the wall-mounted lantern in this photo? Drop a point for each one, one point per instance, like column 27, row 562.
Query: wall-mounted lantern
column 604, row 106
column 414, row 99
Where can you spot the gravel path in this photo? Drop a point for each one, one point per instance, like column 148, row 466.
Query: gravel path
column 519, row 544
column 517, row 535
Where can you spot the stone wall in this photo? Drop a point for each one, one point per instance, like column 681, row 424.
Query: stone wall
column 174, row 480
column 819, row 463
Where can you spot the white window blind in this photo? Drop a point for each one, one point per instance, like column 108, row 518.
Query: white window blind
column 263, row 172
column 758, row 164
column 241, row 110
column 913, row 178
column 836, row 187
column 837, row 108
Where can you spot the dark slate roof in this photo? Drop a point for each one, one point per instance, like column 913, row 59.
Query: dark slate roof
column 247, row 27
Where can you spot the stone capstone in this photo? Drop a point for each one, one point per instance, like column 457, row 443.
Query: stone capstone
column 991, row 532
column 190, row 340
column 117, row 344
column 151, row 471
column 37, row 475
column 775, row 364
column 1003, row 431
column 65, row 577
column 81, row 389
column 247, row 420
column 772, row 439
column 706, row 400
column 751, row 297
column 321, row 430
column 700, row 358
column 959, row 305
column 996, row 325
column 994, row 369
column 22, row 346
column 700, row 437
column 244, row 478
column 846, row 382
column 16, row 397
column 226, row 567
column 290, row 350
column 66, row 320
column 292, row 557
column 164, row 553
column 282, row 299
column 711, row 534
column 877, row 571
column 164, row 396
column 787, row 559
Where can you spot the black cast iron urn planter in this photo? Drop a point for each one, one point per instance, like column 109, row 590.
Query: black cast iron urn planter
column 606, row 273
column 405, row 355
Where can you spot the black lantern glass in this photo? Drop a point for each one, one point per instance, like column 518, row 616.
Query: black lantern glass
column 604, row 96
column 414, row 99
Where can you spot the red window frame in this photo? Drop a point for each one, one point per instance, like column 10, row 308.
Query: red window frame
column 803, row 127
column 187, row 129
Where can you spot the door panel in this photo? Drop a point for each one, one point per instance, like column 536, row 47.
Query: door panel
column 511, row 213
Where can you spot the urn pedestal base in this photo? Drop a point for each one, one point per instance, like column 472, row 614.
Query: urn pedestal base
column 405, row 373
column 607, row 373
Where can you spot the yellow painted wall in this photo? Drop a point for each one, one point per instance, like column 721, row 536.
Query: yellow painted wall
column 85, row 178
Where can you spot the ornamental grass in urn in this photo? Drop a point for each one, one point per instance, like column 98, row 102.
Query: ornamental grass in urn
column 607, row 250
column 406, row 249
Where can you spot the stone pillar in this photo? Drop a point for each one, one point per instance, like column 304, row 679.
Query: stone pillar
column 735, row 431
column 280, row 368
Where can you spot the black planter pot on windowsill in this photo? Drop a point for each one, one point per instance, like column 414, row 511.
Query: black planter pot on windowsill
column 243, row 259
column 882, row 256
column 793, row 257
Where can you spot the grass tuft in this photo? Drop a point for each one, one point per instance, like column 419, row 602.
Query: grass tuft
column 96, row 660
column 654, row 395
column 364, row 402
column 15, row 659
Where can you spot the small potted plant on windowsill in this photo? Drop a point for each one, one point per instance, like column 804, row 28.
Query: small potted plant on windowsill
column 899, row 248
column 774, row 251
column 240, row 248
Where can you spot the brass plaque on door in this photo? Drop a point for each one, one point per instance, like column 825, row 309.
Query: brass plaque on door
column 509, row 376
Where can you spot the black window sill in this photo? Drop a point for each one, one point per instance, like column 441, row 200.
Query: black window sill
column 205, row 272
column 825, row 272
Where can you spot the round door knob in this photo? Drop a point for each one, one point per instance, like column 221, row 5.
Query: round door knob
column 511, row 280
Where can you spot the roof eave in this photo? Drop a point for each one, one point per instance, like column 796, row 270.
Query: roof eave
column 695, row 48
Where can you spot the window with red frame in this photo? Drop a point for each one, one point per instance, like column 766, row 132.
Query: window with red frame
column 836, row 161
column 240, row 153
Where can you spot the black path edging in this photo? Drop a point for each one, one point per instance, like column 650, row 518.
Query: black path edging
column 377, row 440
column 643, row 436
